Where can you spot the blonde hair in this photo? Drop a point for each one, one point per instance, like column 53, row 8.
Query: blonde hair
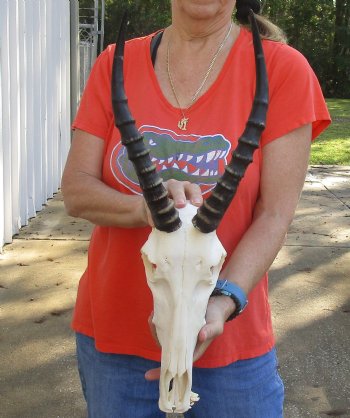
column 269, row 30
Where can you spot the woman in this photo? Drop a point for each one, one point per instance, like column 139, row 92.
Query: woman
column 190, row 88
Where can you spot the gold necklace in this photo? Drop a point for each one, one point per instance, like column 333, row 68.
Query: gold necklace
column 182, row 124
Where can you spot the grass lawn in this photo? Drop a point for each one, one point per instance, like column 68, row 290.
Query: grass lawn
column 333, row 145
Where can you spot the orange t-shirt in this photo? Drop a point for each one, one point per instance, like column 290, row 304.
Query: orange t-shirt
column 114, row 301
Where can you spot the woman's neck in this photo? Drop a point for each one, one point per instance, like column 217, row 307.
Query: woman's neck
column 199, row 43
column 199, row 32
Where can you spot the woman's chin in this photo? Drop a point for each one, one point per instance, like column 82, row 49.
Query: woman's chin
column 204, row 9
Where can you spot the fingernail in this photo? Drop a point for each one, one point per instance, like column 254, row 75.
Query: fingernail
column 180, row 202
column 197, row 200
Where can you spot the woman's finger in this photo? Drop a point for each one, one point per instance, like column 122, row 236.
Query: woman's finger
column 193, row 193
column 215, row 320
column 183, row 191
column 205, row 337
column 147, row 214
column 200, row 349
column 153, row 374
column 153, row 329
column 176, row 191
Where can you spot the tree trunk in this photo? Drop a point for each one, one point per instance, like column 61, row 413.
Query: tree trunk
column 341, row 49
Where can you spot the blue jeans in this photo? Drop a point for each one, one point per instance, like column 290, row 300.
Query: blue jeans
column 114, row 387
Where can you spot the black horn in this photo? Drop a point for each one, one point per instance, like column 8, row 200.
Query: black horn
column 164, row 214
column 213, row 209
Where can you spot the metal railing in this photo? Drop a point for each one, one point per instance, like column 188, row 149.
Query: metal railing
column 91, row 33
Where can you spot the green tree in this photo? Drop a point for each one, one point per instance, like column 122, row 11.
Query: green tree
column 309, row 26
column 145, row 17
column 340, row 74
column 319, row 29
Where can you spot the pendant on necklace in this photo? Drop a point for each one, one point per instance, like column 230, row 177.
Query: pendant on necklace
column 183, row 124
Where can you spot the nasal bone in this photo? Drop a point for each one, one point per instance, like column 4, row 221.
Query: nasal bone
column 180, row 322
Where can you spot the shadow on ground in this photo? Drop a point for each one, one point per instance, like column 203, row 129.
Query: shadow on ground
column 310, row 298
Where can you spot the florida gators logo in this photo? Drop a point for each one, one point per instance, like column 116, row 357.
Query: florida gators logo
column 194, row 158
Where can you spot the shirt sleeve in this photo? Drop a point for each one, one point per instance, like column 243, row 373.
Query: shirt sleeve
column 95, row 114
column 296, row 97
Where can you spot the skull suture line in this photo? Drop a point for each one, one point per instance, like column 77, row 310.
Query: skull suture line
column 183, row 255
column 182, row 269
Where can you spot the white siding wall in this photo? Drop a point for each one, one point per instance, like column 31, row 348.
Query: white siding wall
column 34, row 107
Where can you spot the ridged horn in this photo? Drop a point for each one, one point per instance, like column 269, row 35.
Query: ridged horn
column 164, row 214
column 214, row 207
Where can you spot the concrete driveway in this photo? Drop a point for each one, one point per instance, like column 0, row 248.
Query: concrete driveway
column 309, row 289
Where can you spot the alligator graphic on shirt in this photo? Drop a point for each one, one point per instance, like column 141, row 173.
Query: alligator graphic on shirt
column 197, row 159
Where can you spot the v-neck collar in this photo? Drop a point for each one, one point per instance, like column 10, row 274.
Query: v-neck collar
column 153, row 77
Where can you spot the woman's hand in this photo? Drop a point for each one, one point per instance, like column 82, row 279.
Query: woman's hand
column 183, row 191
column 146, row 213
column 218, row 310
column 180, row 192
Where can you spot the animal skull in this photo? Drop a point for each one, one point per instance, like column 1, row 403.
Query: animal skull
column 182, row 269
column 183, row 255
